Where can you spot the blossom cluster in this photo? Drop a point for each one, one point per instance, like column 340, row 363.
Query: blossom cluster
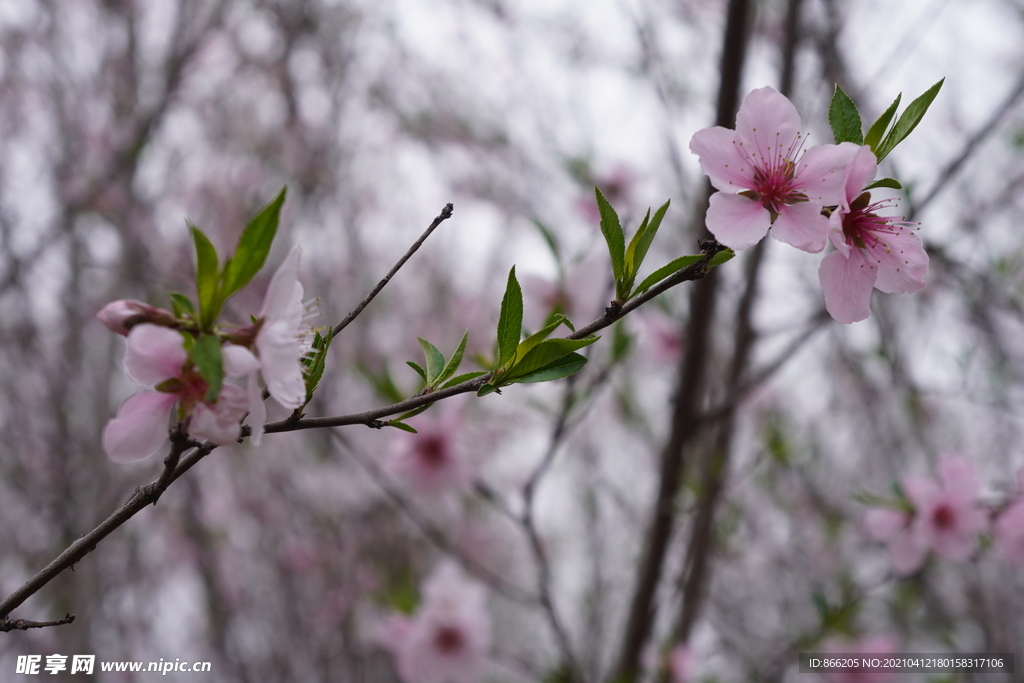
column 766, row 179
column 157, row 356
column 945, row 518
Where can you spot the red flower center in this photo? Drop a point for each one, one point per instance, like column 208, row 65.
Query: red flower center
column 449, row 639
column 943, row 517
column 432, row 450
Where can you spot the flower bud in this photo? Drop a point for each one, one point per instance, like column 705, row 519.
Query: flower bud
column 121, row 315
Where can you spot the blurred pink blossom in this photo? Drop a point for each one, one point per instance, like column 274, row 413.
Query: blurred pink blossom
column 156, row 357
column 682, row 663
column 448, row 639
column 946, row 518
column 872, row 251
column 765, row 179
column 431, row 462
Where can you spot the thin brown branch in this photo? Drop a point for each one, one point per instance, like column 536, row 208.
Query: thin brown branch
column 445, row 214
column 141, row 498
column 25, row 624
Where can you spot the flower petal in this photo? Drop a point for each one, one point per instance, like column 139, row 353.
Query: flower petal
column 847, row 284
column 140, row 428
column 822, row 172
column 153, row 354
column 221, row 422
column 766, row 119
column 721, row 160
column 904, row 265
column 883, row 524
column 238, row 360
column 257, row 410
column 802, row 225
column 284, row 294
column 737, row 221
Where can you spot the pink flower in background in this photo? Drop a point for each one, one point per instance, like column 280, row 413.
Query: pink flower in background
column 681, row 664
column 448, row 639
column 431, row 461
column 949, row 518
column 880, row 645
column 872, row 251
column 946, row 518
column 156, row 357
column 907, row 549
column 765, row 179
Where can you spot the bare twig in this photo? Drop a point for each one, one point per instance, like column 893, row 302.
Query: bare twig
column 142, row 497
column 24, row 624
column 445, row 214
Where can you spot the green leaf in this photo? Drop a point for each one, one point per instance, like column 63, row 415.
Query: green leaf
column 878, row 128
column 414, row 412
column 182, row 305
column 539, row 336
column 885, row 182
column 510, row 320
column 908, row 120
column 316, row 361
column 253, row 247
column 612, row 231
column 563, row 367
column 720, row 258
column 641, row 242
column 845, row 119
column 206, row 356
column 544, row 353
column 462, row 378
column 401, row 425
column 455, row 360
column 486, row 389
column 206, row 278
column 417, row 368
column 434, row 360
column 668, row 269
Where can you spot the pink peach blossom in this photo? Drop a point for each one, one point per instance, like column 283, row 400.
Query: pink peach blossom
column 448, row 639
column 431, row 462
column 765, row 179
column 949, row 518
column 945, row 518
column 156, row 358
column 872, row 251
